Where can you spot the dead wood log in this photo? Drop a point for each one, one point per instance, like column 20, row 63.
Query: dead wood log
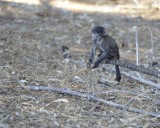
column 91, row 97
column 134, row 67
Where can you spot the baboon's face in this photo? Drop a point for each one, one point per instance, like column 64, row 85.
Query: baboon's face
column 96, row 36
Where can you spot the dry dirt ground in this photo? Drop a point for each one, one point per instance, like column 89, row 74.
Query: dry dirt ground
column 31, row 38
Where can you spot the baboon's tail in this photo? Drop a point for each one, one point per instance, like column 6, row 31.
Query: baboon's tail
column 118, row 74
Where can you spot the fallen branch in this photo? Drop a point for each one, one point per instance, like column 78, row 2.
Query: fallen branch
column 134, row 67
column 130, row 66
column 142, row 80
column 91, row 97
column 126, row 65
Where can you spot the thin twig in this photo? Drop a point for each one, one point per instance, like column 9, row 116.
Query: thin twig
column 91, row 97
column 74, row 74
column 151, row 44
column 77, row 72
column 137, row 51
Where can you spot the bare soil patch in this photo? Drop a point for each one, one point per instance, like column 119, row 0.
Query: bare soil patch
column 31, row 37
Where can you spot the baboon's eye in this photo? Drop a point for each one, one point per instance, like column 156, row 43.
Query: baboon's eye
column 95, row 33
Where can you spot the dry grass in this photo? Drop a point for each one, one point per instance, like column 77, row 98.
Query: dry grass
column 31, row 37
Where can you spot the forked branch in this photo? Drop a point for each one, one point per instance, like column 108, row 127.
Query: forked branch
column 91, row 97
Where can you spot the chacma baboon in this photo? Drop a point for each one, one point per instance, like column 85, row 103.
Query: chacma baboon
column 107, row 48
